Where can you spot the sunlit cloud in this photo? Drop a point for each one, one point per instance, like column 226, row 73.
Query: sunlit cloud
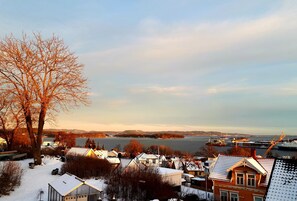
column 203, row 46
column 172, row 90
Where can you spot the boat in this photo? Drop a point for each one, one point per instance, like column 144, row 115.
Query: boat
column 216, row 142
column 288, row 145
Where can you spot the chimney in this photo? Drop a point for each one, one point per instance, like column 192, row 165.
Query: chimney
column 253, row 153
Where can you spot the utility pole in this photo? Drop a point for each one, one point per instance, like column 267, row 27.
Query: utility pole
column 206, row 172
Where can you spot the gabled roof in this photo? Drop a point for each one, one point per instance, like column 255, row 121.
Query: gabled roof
column 224, row 164
column 283, row 181
column 68, row 183
column 144, row 156
column 221, row 165
column 113, row 160
column 79, row 151
column 112, row 153
column 101, row 153
column 168, row 171
column 251, row 163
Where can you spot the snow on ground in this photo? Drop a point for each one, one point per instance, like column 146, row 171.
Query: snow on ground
column 34, row 180
column 201, row 194
column 37, row 179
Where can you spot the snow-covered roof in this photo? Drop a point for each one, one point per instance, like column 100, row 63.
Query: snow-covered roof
column 113, row 160
column 194, row 167
column 267, row 164
column 112, row 153
column 168, row 171
column 68, row 183
column 101, row 153
column 144, row 156
column 224, row 164
column 251, row 163
column 125, row 162
column 283, row 181
column 79, row 151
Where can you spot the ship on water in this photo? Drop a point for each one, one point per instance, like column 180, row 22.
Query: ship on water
column 288, row 145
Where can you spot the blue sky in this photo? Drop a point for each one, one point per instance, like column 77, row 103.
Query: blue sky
column 174, row 65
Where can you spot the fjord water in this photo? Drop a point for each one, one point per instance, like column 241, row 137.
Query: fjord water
column 187, row 144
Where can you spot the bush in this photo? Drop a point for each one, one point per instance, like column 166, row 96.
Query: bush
column 58, row 151
column 144, row 184
column 86, row 167
column 10, row 176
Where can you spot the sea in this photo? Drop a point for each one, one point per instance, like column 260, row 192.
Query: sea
column 190, row 144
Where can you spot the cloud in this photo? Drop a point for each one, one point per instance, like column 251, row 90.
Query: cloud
column 202, row 47
column 171, row 90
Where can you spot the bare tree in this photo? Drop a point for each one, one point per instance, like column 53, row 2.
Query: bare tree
column 10, row 119
column 44, row 77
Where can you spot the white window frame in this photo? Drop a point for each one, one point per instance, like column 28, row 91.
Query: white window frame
column 235, row 193
column 225, row 191
column 243, row 178
column 247, row 180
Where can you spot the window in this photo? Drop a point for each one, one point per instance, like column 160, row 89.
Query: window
column 233, row 196
column 258, row 198
column 224, row 196
column 239, row 179
column 251, row 180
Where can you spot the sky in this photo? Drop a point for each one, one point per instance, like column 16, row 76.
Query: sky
column 228, row 66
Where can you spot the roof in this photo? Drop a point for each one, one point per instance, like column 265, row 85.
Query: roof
column 267, row 164
column 283, row 181
column 113, row 160
column 79, row 151
column 251, row 163
column 68, row 183
column 101, row 153
column 168, row 171
column 112, row 153
column 224, row 164
column 144, row 156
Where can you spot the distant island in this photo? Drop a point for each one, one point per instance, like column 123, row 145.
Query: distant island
column 138, row 134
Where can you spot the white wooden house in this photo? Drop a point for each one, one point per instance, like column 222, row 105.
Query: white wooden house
column 71, row 188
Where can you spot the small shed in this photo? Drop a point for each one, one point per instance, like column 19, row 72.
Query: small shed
column 71, row 188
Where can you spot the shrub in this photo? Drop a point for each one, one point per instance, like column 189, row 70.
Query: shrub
column 86, row 167
column 10, row 176
column 144, row 184
column 58, row 151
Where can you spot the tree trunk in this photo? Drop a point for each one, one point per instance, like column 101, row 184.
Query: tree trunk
column 41, row 121
column 35, row 149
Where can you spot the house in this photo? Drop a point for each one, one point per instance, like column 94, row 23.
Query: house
column 2, row 143
column 77, row 151
column 240, row 178
column 283, row 181
column 147, row 159
column 71, row 188
column 173, row 177
column 101, row 153
column 112, row 153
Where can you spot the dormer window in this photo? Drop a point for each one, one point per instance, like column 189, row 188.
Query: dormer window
column 239, row 179
column 251, row 180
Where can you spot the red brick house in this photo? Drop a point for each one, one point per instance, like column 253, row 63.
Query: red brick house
column 240, row 178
